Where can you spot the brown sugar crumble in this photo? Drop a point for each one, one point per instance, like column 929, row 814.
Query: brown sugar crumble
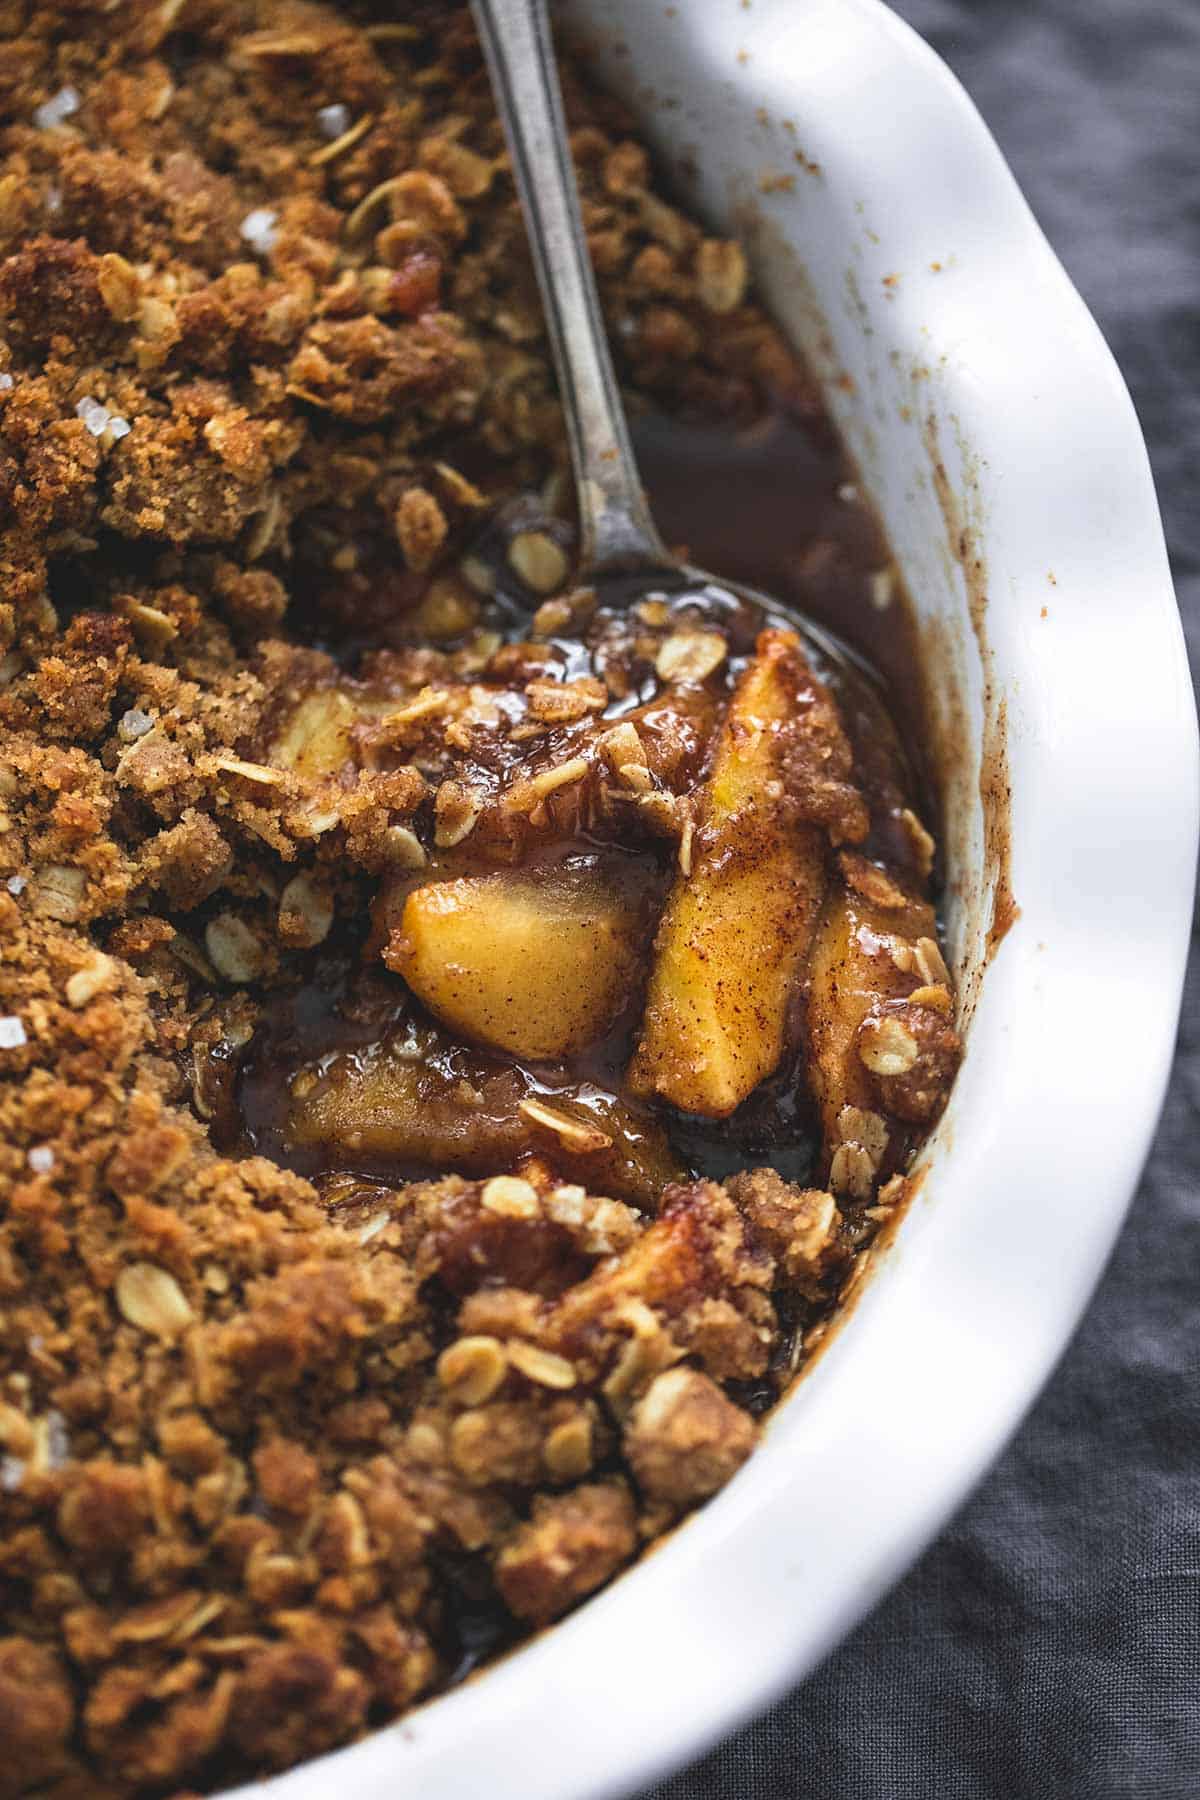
column 459, row 1032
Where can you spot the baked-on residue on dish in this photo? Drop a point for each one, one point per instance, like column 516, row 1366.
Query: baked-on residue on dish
column 459, row 1033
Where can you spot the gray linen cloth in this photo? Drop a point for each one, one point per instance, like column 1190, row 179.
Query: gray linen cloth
column 1048, row 1646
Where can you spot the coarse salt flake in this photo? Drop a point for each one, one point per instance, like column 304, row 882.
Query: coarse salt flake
column 12, row 1473
column 6, row 382
column 95, row 416
column 16, row 884
column 118, row 427
column 134, row 724
column 258, row 229
column 58, row 1439
column 60, row 106
column 41, row 1159
column 333, row 120
column 12, row 1032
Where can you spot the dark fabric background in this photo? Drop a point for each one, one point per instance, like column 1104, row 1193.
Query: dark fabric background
column 1048, row 1647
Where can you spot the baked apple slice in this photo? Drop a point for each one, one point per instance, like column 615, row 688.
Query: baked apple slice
column 418, row 1102
column 400, row 1100
column 538, row 966
column 738, row 925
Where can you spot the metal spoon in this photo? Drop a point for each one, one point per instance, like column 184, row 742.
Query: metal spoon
column 618, row 537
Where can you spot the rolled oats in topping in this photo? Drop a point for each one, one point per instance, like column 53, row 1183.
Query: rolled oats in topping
column 540, row 562
column 690, row 655
column 151, row 1299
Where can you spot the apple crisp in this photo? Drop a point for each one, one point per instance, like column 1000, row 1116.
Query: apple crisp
column 460, row 1032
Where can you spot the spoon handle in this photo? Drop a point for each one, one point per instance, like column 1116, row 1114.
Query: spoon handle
column 616, row 529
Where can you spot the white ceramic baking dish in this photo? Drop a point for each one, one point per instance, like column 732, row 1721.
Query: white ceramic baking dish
column 995, row 434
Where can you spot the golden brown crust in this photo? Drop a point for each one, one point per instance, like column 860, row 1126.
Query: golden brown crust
column 570, row 1546
column 685, row 1438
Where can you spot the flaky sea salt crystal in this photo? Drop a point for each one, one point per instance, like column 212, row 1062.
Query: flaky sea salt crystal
column 134, row 724
column 12, row 1473
column 258, row 229
column 58, row 1440
column 6, row 382
column 60, row 106
column 118, row 427
column 41, row 1159
column 94, row 414
column 12, row 1032
column 16, row 884
column 333, row 120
